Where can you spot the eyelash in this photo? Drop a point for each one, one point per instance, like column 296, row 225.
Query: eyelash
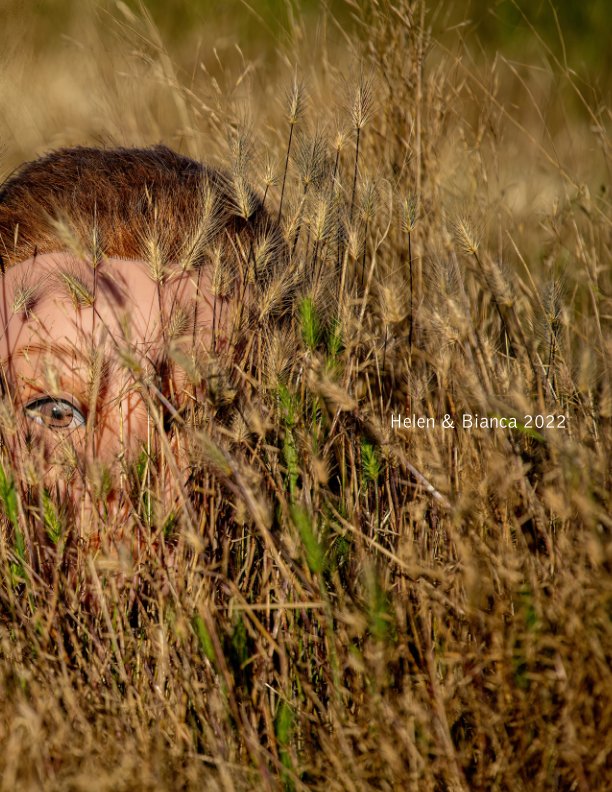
column 72, row 417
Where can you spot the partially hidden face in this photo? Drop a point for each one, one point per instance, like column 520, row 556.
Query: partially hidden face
column 95, row 343
column 84, row 351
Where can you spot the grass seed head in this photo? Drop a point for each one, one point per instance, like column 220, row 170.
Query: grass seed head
column 312, row 160
column 76, row 289
column 223, row 279
column 296, row 101
column 362, row 104
column 466, row 236
column 25, row 298
column 409, row 213
column 244, row 199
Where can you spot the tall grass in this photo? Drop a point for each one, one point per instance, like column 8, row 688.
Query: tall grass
column 293, row 593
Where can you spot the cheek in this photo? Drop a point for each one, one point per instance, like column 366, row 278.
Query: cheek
column 40, row 456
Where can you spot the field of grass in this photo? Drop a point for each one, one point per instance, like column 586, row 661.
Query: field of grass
column 297, row 594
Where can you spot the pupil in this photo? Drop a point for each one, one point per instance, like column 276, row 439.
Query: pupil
column 60, row 414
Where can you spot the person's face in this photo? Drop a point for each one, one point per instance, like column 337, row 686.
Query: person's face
column 79, row 368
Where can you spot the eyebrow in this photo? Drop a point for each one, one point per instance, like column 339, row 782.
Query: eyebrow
column 57, row 283
column 51, row 347
column 115, row 289
column 61, row 352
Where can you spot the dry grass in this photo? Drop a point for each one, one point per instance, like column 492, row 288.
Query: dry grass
column 306, row 597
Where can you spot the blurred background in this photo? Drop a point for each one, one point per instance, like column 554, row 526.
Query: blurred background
column 129, row 72
column 577, row 32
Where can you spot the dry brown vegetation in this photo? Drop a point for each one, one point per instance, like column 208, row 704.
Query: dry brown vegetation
column 318, row 600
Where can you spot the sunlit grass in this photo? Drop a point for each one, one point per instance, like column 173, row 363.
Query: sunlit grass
column 292, row 593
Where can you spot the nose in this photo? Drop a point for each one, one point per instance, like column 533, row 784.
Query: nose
column 120, row 427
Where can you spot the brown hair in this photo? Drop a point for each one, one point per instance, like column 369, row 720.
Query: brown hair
column 121, row 202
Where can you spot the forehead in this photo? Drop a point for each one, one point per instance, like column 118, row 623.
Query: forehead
column 58, row 300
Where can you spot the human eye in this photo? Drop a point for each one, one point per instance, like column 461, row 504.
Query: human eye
column 54, row 413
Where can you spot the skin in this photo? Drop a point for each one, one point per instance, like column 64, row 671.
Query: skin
column 50, row 336
column 85, row 386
